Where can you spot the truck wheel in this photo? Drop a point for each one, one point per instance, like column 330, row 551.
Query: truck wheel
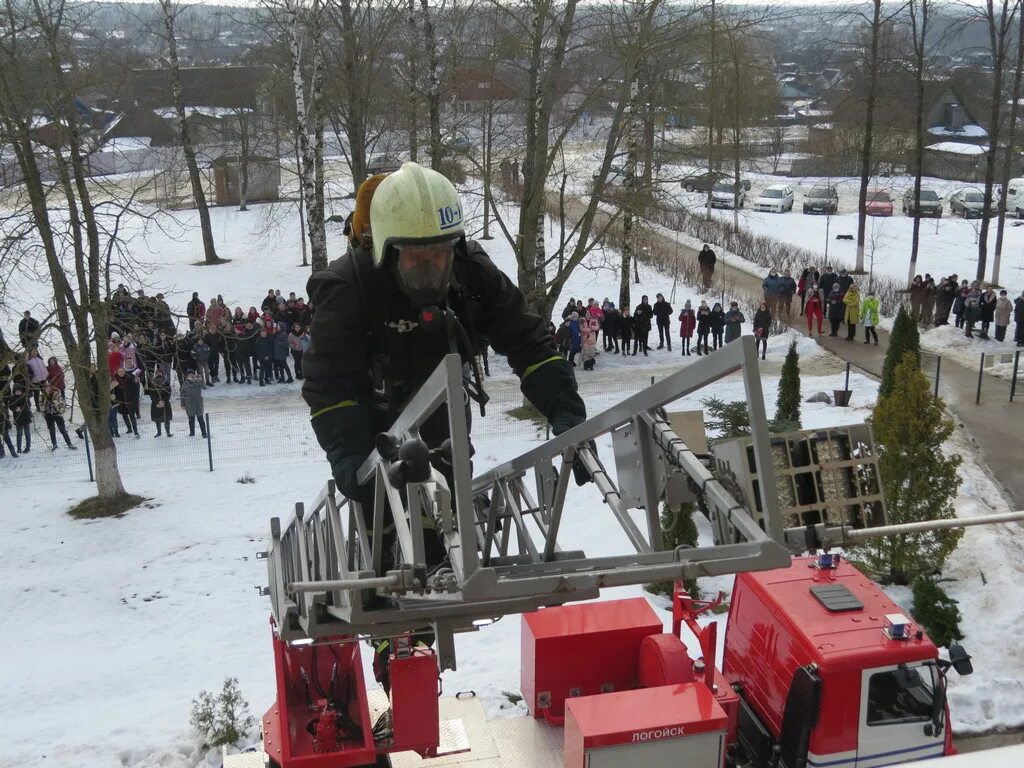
column 688, row 187
column 1019, row 214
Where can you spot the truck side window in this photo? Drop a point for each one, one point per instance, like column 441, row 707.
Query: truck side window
column 890, row 703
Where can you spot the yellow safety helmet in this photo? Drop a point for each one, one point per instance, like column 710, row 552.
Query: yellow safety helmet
column 416, row 214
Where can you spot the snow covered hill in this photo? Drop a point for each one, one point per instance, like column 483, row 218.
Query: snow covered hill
column 115, row 625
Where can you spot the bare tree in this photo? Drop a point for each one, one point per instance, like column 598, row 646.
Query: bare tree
column 1011, row 140
column 433, row 86
column 61, row 222
column 639, row 20
column 413, row 74
column 359, row 97
column 169, row 11
column 712, row 94
column 918, row 11
column 305, row 28
column 999, row 17
column 875, row 23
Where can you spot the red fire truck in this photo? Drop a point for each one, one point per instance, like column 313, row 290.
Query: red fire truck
column 820, row 668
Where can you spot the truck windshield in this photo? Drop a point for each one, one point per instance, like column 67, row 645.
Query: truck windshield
column 901, row 696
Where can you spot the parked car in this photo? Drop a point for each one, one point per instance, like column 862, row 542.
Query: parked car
column 616, row 176
column 778, row 198
column 460, row 145
column 821, row 199
column 727, row 193
column 969, row 203
column 383, row 163
column 703, row 182
column 1015, row 197
column 878, row 203
column 928, row 204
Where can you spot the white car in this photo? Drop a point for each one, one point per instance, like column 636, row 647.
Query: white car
column 778, row 198
column 726, row 193
column 616, row 176
column 1015, row 198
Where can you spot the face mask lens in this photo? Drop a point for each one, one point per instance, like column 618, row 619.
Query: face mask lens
column 425, row 269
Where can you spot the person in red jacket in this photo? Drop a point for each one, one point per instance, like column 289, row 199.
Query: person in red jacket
column 214, row 313
column 687, row 324
column 55, row 376
column 814, row 308
column 114, row 354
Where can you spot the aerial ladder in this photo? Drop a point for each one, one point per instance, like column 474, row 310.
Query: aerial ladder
column 335, row 580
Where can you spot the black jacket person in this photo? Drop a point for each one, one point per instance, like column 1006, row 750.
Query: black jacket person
column 372, row 345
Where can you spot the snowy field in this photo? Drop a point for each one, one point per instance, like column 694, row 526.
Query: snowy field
column 138, row 614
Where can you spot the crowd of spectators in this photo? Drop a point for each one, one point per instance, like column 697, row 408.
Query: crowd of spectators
column 147, row 353
column 974, row 309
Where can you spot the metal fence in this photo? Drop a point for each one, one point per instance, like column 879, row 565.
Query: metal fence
column 235, row 437
column 1003, row 372
column 931, row 366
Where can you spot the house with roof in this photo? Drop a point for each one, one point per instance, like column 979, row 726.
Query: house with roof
column 794, row 93
column 216, row 100
column 472, row 89
column 955, row 128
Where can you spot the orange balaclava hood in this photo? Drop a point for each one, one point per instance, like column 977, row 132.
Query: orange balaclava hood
column 359, row 226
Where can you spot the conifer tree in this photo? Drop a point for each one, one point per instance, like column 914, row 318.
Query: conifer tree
column 904, row 338
column 677, row 528
column 918, row 479
column 730, row 419
column 787, row 407
column 937, row 611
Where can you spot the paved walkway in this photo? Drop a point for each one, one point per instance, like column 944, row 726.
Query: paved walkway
column 996, row 426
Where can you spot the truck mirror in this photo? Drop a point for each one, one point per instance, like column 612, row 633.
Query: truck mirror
column 935, row 727
column 960, row 659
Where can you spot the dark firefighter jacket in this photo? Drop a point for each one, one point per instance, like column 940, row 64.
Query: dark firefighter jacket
column 369, row 354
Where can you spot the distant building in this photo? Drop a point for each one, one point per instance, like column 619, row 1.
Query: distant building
column 264, row 179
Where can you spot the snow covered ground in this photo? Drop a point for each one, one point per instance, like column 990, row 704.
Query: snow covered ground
column 951, row 343
column 131, row 617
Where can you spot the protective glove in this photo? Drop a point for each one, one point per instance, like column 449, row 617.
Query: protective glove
column 346, row 437
column 345, row 471
column 552, row 390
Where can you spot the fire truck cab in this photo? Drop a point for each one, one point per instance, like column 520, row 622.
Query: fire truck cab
column 828, row 666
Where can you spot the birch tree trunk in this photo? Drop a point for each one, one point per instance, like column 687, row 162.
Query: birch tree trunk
column 869, row 133
column 312, row 193
column 187, row 148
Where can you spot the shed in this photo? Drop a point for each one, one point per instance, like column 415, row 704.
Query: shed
column 264, row 175
column 954, row 160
